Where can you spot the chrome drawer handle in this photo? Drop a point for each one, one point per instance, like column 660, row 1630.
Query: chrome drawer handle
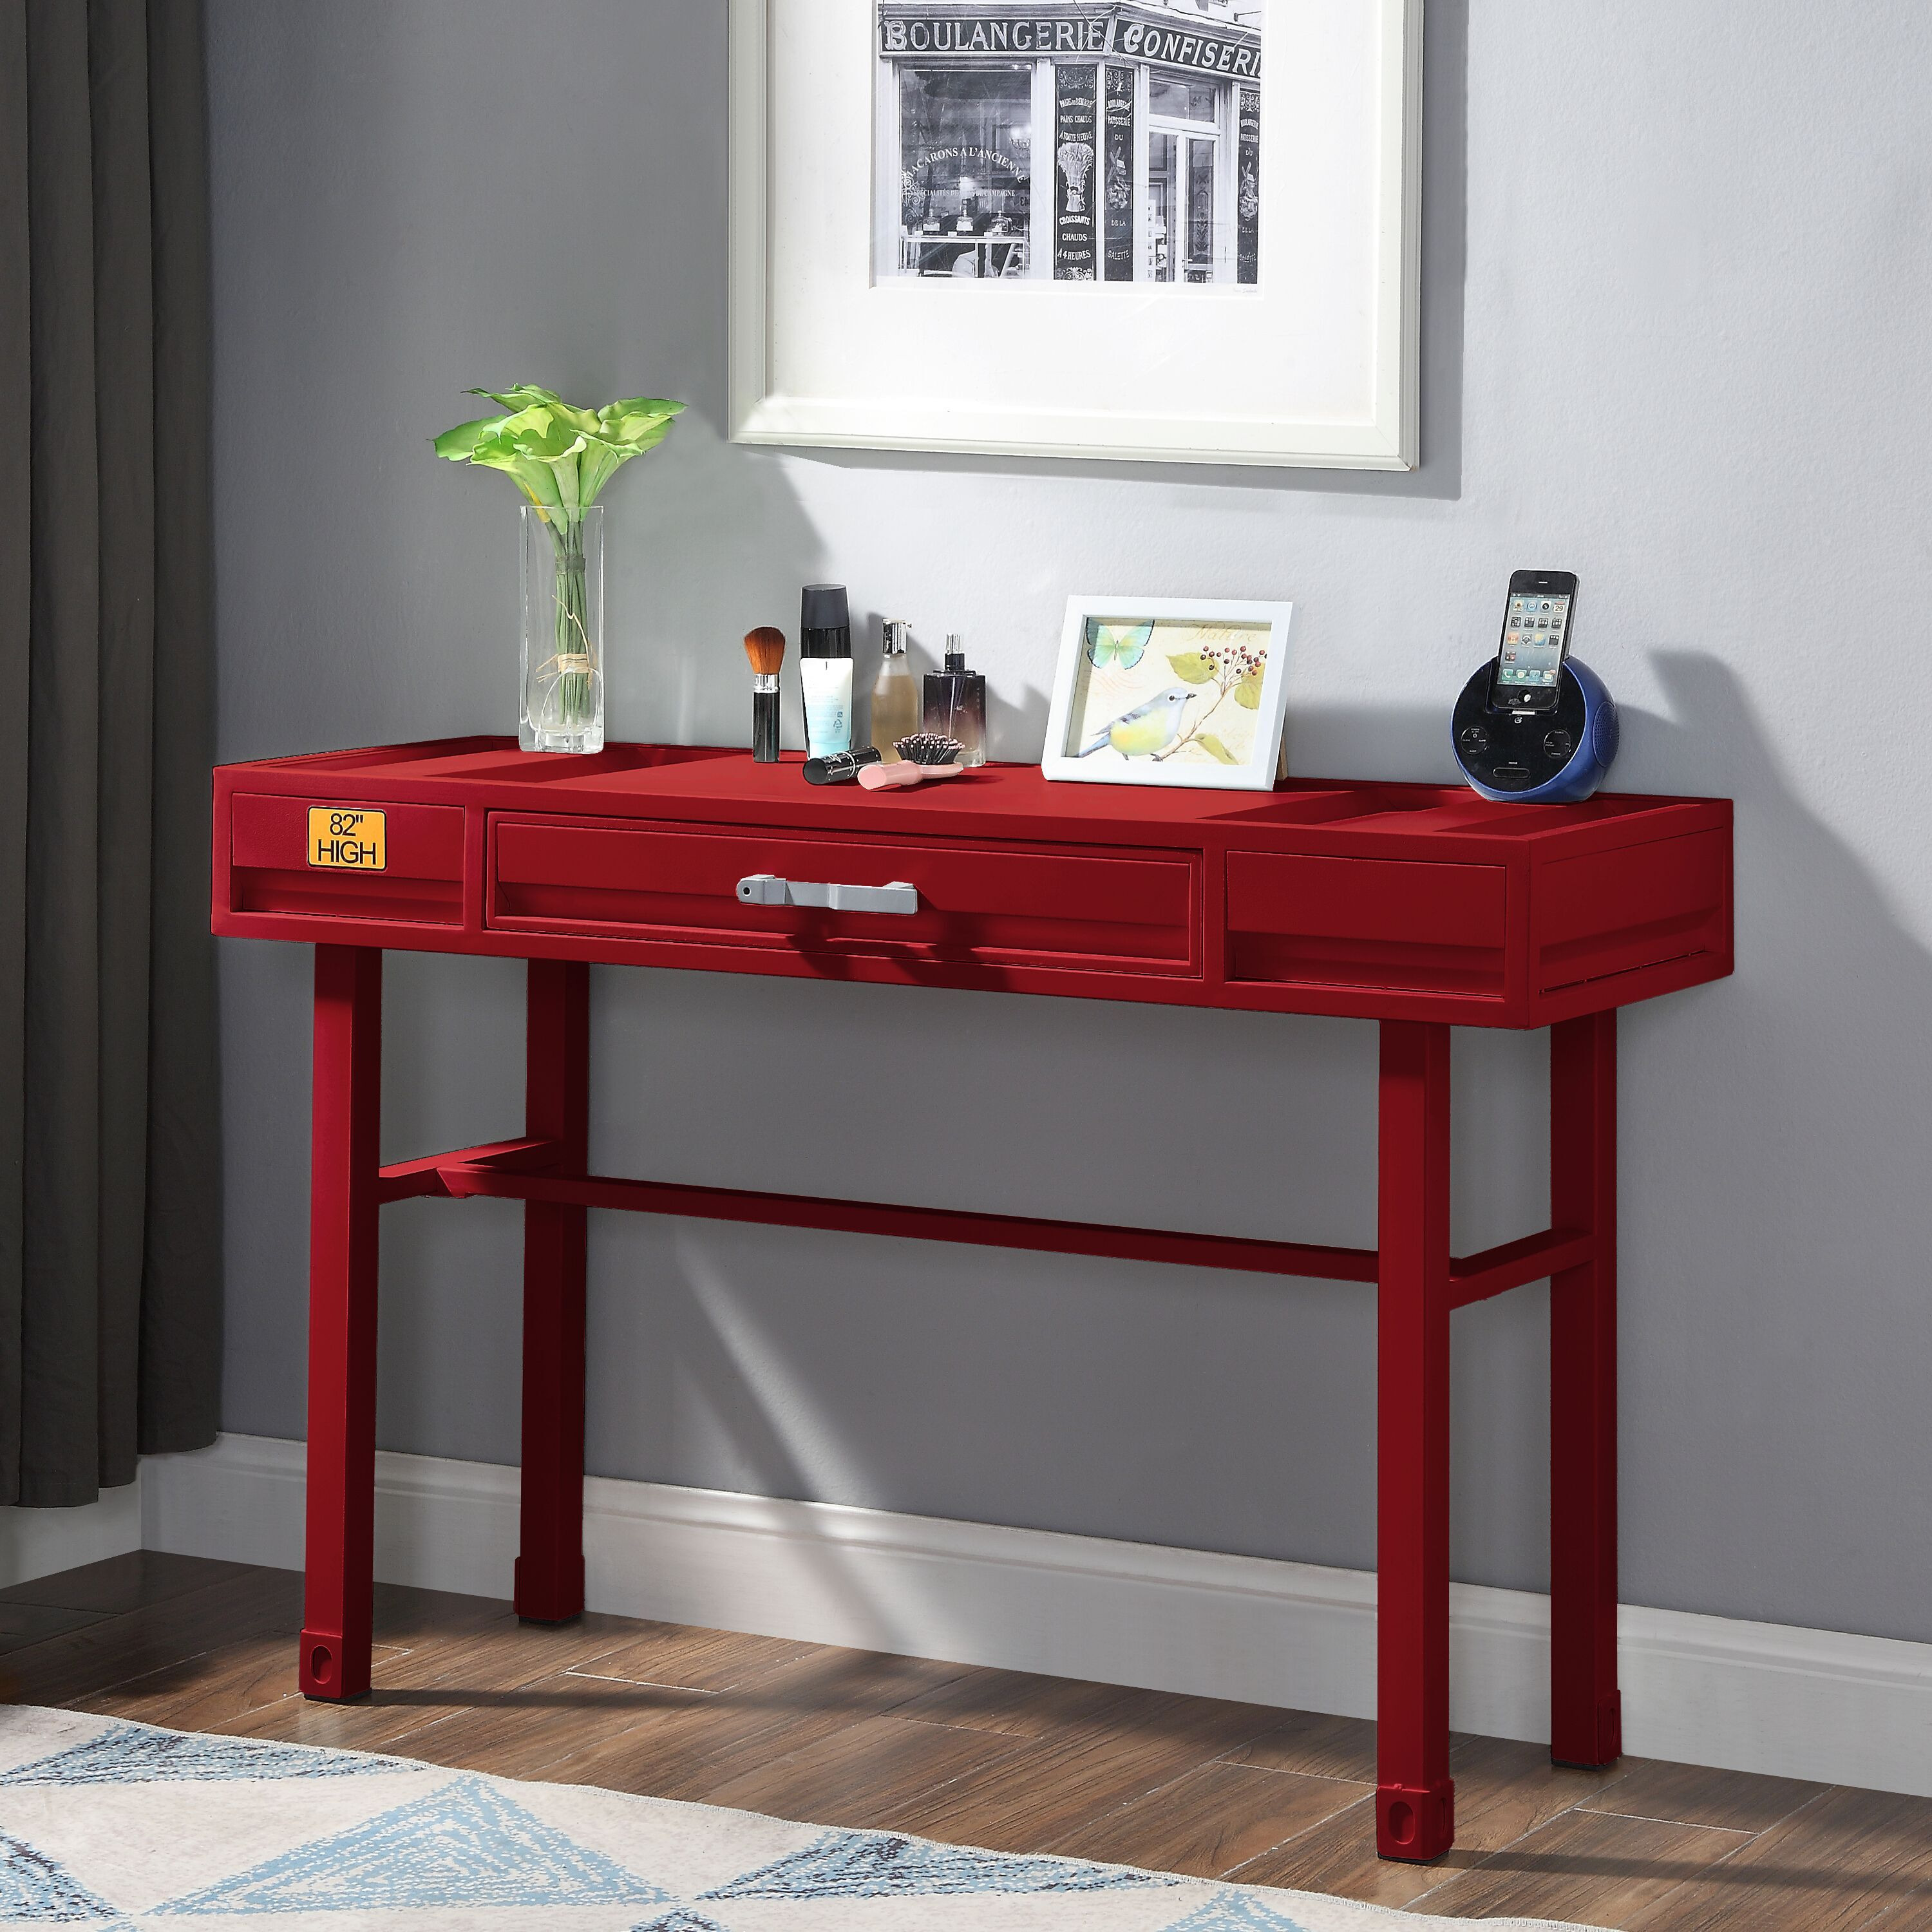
column 768, row 888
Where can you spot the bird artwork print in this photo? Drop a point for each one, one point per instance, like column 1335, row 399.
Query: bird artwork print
column 1147, row 730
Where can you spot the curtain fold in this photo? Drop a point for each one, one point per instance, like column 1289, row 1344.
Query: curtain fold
column 110, row 1210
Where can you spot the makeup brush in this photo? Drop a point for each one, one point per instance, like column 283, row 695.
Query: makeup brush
column 765, row 649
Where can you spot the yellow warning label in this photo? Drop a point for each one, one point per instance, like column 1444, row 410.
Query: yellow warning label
column 351, row 838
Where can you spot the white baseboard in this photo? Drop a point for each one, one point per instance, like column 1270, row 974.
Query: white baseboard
column 36, row 1543
column 1711, row 1690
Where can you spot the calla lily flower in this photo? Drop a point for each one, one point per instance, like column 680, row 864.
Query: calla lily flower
column 560, row 456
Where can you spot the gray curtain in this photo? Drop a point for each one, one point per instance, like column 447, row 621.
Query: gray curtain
column 110, row 1210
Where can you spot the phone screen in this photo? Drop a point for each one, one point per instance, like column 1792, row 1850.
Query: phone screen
column 1536, row 628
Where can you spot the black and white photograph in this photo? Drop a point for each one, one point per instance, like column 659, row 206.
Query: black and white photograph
column 1211, row 205
column 1069, row 141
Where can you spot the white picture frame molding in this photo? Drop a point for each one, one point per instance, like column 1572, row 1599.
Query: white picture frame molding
column 1385, row 437
column 1270, row 715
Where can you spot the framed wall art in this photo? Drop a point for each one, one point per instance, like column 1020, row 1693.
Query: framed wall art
column 1176, row 230
column 1169, row 692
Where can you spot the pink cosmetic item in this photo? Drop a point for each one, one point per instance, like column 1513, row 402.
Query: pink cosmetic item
column 924, row 754
column 893, row 777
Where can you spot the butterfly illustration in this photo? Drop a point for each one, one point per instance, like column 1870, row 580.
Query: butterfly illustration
column 1122, row 644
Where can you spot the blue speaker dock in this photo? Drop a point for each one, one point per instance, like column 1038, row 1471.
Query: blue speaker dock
column 1537, row 757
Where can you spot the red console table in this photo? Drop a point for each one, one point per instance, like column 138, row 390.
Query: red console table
column 1420, row 907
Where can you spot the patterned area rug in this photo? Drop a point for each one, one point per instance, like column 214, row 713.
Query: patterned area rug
column 109, row 1824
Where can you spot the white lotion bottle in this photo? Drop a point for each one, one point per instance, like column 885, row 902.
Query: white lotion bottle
column 825, row 669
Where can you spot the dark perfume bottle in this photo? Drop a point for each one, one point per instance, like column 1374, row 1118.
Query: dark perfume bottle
column 955, row 703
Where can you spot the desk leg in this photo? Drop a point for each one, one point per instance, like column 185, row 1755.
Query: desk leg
column 1415, row 1801
column 549, row 1569
column 1586, row 1710
column 347, row 1101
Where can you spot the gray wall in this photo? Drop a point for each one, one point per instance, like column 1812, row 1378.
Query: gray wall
column 1676, row 284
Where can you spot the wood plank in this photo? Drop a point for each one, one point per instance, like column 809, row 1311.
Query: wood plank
column 858, row 1774
column 1833, row 1865
column 1688, row 1794
column 1054, row 1785
column 406, row 1616
column 695, row 1659
column 1504, row 1789
column 81, row 1662
column 1592, row 1866
column 1043, row 1790
column 691, row 1753
column 124, row 1582
column 367, row 1725
column 1210, row 1820
column 1913, row 1915
column 1314, row 1746
column 850, row 1684
column 24, row 1623
column 1018, row 1704
column 526, row 1731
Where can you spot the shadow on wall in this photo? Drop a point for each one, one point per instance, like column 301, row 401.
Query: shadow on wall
column 1837, row 1043
column 1785, row 1255
column 677, row 669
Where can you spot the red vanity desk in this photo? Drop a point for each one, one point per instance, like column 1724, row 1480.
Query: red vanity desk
column 1419, row 907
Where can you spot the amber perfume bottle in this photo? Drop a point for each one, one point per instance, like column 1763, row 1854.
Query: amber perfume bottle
column 955, row 703
column 895, row 696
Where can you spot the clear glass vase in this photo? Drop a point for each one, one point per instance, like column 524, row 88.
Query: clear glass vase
column 560, row 706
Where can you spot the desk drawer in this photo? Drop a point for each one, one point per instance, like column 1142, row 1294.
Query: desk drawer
column 1384, row 922
column 274, row 870
column 991, row 903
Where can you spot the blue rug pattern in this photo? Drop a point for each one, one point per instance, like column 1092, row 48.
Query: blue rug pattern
column 125, row 1827
column 1233, row 1911
column 882, row 1865
column 468, row 1847
column 35, row 1890
column 140, row 1754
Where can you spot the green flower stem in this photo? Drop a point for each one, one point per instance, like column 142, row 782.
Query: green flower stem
column 575, row 689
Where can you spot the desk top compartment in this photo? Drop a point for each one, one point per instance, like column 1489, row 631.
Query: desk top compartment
column 1373, row 900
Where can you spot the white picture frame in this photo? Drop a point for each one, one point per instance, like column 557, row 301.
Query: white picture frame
column 1089, row 696
column 1316, row 365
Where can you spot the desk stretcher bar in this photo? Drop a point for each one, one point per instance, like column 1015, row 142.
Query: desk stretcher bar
column 1416, row 907
column 527, row 1170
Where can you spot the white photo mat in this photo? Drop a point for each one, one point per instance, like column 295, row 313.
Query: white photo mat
column 1316, row 364
column 1228, row 744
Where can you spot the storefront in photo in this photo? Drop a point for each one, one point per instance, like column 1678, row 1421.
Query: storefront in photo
column 1052, row 140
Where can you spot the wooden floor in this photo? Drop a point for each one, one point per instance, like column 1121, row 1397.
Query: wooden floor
column 985, row 1757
